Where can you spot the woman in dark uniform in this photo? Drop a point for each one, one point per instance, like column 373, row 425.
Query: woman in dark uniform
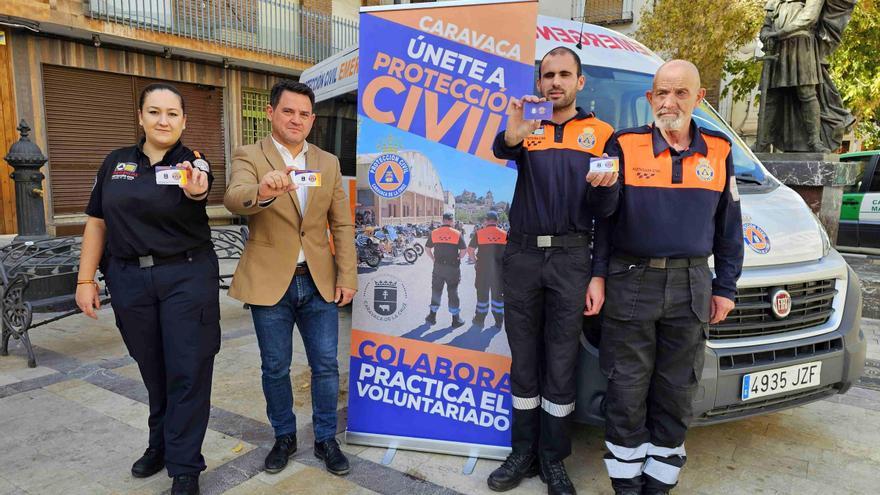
column 163, row 276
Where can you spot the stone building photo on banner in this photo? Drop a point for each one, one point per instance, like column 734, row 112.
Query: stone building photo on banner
column 429, row 357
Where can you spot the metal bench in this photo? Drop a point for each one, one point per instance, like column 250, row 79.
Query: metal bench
column 31, row 273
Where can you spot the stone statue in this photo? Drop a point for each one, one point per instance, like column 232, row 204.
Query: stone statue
column 801, row 109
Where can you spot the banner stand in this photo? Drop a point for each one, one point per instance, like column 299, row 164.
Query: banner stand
column 430, row 364
column 428, row 445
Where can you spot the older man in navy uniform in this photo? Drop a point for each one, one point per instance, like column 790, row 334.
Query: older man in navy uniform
column 679, row 205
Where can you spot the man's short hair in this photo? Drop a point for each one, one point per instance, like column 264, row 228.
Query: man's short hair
column 447, row 216
column 562, row 50
column 293, row 86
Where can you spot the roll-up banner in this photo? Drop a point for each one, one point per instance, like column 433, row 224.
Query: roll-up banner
column 430, row 362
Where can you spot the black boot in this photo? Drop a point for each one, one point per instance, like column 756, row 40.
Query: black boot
column 431, row 319
column 457, row 321
column 514, row 469
column 553, row 473
column 479, row 319
column 185, row 484
column 149, row 464
column 284, row 447
column 333, row 458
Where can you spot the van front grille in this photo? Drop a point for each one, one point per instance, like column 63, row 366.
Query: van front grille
column 811, row 305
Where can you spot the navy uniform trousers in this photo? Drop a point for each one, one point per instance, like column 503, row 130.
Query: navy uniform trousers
column 544, row 289
column 169, row 318
column 652, row 351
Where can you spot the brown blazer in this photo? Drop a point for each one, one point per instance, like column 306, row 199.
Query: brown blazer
column 278, row 231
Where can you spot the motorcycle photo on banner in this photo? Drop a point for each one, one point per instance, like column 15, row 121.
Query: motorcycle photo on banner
column 429, row 357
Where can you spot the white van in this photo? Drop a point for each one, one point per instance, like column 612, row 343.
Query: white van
column 794, row 335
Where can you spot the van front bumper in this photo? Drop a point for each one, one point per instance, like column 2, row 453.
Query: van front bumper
column 841, row 351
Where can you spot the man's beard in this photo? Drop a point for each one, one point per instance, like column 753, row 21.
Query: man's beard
column 668, row 123
column 564, row 103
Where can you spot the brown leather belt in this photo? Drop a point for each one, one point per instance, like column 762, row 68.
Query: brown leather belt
column 302, row 269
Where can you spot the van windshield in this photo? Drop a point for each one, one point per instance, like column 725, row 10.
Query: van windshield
column 618, row 97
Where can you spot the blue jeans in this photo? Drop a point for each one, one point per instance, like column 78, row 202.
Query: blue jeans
column 318, row 323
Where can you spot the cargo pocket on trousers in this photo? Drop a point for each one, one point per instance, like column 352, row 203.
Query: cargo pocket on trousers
column 622, row 287
column 700, row 278
column 210, row 330
column 699, row 360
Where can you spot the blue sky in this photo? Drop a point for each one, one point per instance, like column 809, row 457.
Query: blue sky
column 458, row 171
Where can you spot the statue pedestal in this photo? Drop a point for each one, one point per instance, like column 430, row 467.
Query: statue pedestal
column 819, row 178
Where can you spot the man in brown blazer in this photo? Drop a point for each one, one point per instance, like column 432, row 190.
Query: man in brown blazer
column 289, row 273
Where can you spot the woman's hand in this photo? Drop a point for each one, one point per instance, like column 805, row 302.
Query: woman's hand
column 197, row 184
column 87, row 299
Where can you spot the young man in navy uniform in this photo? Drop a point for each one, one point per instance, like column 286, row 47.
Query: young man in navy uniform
column 547, row 266
column 679, row 205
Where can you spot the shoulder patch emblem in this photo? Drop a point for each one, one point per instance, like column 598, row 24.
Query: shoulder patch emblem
column 202, row 164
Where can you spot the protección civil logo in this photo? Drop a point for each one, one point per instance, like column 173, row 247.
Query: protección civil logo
column 389, row 175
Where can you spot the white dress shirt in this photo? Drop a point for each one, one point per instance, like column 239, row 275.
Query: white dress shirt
column 298, row 162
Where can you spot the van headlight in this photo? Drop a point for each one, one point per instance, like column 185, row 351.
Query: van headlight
column 826, row 241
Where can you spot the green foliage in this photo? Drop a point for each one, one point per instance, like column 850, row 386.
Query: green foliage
column 745, row 76
column 708, row 33
column 855, row 68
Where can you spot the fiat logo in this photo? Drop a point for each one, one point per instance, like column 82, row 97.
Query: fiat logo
column 780, row 303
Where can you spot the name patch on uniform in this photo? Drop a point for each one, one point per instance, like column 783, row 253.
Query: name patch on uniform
column 124, row 170
column 171, row 176
column 306, row 178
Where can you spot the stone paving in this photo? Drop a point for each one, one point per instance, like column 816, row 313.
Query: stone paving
column 74, row 425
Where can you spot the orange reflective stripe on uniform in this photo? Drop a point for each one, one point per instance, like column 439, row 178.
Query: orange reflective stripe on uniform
column 198, row 155
column 643, row 169
column 445, row 235
column 588, row 135
column 491, row 235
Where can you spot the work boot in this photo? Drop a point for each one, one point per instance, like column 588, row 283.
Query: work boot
column 627, row 491
column 553, row 473
column 285, row 446
column 457, row 321
column 334, row 460
column 509, row 475
column 185, row 484
column 655, row 491
column 431, row 319
column 149, row 464
column 479, row 319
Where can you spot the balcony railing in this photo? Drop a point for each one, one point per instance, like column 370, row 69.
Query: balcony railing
column 276, row 27
column 603, row 11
